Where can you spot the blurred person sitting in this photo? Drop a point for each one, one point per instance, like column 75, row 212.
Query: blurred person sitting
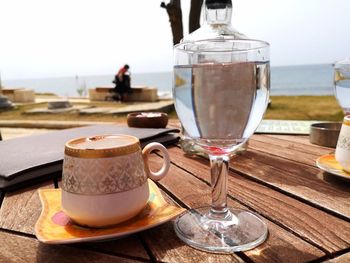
column 122, row 82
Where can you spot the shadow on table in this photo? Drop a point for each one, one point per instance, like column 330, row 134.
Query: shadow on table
column 281, row 254
column 337, row 181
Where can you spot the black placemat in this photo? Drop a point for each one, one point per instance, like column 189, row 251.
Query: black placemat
column 28, row 158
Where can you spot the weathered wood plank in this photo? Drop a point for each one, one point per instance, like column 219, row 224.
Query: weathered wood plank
column 21, row 209
column 302, row 139
column 128, row 246
column 318, row 188
column 297, row 179
column 297, row 143
column 292, row 149
column 327, row 231
column 175, row 124
column 284, row 150
column 300, row 180
column 18, row 249
column 195, row 193
column 172, row 249
column 167, row 247
column 341, row 259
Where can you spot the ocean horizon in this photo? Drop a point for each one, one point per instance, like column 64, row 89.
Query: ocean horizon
column 285, row 80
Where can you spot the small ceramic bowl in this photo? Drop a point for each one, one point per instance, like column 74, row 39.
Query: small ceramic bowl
column 325, row 134
column 147, row 120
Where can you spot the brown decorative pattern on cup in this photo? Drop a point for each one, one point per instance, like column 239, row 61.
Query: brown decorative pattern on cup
column 103, row 175
column 344, row 142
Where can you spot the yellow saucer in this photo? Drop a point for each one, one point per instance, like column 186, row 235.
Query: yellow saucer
column 329, row 164
column 54, row 227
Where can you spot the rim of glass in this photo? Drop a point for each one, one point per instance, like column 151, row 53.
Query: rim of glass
column 180, row 46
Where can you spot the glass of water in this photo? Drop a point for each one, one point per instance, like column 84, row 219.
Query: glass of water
column 221, row 91
column 342, row 84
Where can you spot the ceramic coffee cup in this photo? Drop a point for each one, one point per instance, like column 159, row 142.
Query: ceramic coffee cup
column 105, row 178
column 342, row 152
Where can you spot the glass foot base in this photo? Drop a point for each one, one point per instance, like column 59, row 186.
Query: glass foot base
column 240, row 230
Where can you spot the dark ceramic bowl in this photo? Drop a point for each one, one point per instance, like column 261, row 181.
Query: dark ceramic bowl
column 147, row 120
column 325, row 134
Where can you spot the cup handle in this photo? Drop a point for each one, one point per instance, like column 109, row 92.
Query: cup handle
column 166, row 164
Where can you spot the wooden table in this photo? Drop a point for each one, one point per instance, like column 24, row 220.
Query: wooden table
column 307, row 211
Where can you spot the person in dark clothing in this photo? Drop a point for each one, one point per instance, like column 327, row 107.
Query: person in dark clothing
column 122, row 83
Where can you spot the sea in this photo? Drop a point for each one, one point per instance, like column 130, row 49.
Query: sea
column 285, row 80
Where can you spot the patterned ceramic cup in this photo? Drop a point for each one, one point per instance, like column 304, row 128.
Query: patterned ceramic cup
column 342, row 152
column 105, row 178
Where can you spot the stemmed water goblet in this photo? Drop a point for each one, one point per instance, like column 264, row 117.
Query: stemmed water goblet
column 221, row 91
column 342, row 84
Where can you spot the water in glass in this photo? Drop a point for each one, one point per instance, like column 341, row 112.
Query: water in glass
column 342, row 84
column 221, row 105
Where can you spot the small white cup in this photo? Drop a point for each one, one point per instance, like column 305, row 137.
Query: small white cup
column 105, row 178
column 342, row 152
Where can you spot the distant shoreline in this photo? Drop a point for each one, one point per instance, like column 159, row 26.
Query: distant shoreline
column 285, row 80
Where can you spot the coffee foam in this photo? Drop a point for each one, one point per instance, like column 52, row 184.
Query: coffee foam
column 103, row 142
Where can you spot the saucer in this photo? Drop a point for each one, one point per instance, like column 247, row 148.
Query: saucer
column 55, row 227
column 329, row 164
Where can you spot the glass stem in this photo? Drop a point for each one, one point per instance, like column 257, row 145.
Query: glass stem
column 219, row 170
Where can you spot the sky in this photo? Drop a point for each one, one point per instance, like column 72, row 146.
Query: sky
column 53, row 38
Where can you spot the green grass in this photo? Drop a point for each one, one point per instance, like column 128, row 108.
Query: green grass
column 281, row 107
column 304, row 108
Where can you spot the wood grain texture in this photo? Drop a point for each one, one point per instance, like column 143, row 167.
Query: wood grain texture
column 341, row 259
column 291, row 150
column 128, row 247
column 315, row 226
column 307, row 211
column 167, row 247
column 21, row 209
column 300, row 180
column 284, row 151
column 18, row 249
column 297, row 142
column 302, row 139
column 196, row 193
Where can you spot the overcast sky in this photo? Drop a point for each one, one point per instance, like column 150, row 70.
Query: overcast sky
column 50, row 38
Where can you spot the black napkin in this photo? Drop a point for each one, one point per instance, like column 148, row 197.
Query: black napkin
column 27, row 159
